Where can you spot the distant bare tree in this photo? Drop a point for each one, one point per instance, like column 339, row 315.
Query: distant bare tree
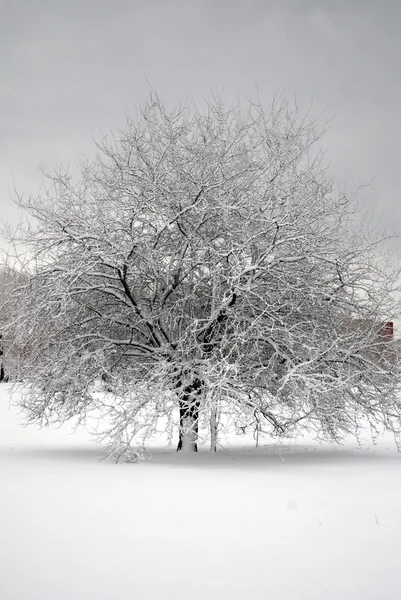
column 205, row 265
column 3, row 376
column 10, row 280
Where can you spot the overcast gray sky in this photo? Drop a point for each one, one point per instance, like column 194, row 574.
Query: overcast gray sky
column 71, row 69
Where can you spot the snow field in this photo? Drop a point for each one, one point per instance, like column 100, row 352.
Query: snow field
column 309, row 523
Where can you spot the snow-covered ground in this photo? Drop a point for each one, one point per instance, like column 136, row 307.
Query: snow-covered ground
column 309, row 523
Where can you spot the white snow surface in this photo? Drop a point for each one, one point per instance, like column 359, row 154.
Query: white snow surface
column 306, row 522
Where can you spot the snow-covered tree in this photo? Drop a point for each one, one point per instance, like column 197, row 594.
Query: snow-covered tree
column 205, row 265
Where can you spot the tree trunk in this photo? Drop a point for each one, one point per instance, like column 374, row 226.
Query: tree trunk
column 189, row 417
column 213, row 431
